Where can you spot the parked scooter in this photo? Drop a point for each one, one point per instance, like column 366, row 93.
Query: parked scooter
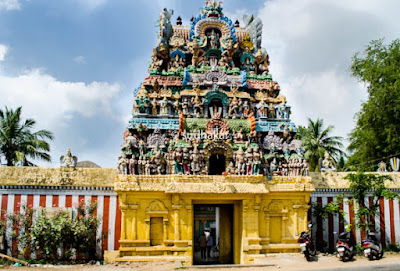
column 344, row 246
column 372, row 247
column 306, row 245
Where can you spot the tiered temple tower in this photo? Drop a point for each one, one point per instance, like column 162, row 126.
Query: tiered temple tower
column 210, row 126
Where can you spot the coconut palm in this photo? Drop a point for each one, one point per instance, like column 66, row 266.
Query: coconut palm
column 18, row 142
column 316, row 141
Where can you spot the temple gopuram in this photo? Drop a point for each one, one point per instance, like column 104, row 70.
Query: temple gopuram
column 210, row 150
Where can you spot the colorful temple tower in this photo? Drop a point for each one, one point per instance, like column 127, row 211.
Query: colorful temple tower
column 210, row 149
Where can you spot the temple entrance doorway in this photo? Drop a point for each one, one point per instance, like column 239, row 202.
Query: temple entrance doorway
column 213, row 234
column 217, row 164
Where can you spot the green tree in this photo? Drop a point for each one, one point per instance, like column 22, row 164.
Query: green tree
column 377, row 130
column 18, row 142
column 316, row 141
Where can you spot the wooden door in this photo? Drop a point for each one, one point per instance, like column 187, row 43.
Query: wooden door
column 156, row 231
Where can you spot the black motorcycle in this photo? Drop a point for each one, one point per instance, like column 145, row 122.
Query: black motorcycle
column 306, row 245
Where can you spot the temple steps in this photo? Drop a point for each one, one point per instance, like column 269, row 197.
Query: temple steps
column 153, row 258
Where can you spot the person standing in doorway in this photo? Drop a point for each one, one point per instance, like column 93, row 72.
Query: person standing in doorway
column 210, row 243
column 203, row 246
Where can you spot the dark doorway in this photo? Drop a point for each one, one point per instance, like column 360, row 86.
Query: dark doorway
column 213, row 226
column 217, row 164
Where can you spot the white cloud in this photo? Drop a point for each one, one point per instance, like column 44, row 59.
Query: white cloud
column 50, row 98
column 311, row 43
column 3, row 51
column 74, row 111
column 79, row 59
column 9, row 4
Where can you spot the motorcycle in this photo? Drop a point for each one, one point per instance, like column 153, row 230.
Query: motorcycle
column 372, row 247
column 344, row 246
column 306, row 245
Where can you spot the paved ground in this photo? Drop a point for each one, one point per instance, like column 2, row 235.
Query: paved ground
column 280, row 261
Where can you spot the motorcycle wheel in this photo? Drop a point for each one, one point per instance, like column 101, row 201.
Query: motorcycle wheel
column 380, row 255
column 307, row 255
column 370, row 257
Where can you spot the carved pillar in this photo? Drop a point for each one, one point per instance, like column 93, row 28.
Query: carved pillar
column 206, row 110
column 284, row 222
column 296, row 209
column 256, row 208
column 165, row 230
column 134, row 208
column 147, row 220
column 177, row 235
column 123, row 208
column 225, row 111
column 267, row 219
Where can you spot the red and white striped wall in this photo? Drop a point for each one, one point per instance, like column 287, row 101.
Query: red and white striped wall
column 387, row 220
column 12, row 198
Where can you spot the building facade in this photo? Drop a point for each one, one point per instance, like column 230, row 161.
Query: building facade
column 210, row 149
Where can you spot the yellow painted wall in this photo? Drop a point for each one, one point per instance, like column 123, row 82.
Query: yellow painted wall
column 262, row 222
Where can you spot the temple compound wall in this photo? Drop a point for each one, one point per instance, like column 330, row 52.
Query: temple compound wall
column 154, row 217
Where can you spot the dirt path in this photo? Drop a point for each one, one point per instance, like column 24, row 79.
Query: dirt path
column 281, row 261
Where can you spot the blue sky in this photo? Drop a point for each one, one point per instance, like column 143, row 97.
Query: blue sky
column 73, row 64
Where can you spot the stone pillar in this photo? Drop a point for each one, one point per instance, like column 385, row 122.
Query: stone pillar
column 134, row 208
column 225, row 111
column 165, row 229
column 296, row 209
column 123, row 208
column 267, row 219
column 177, row 235
column 284, row 222
column 256, row 207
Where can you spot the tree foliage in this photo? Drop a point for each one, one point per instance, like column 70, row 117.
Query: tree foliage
column 377, row 130
column 316, row 141
column 18, row 142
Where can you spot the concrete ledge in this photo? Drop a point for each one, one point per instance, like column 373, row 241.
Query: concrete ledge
column 110, row 256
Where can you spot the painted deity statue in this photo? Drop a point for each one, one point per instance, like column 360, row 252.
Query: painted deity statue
column 240, row 161
column 249, row 161
column 257, row 161
column 231, row 169
column 271, row 111
column 246, row 109
column 227, row 55
column 198, row 53
column 178, row 158
column 164, row 106
column 234, row 107
column 154, row 104
column 261, row 109
column 197, row 105
column 327, row 164
column 123, row 164
column 382, row 167
column 186, row 161
column 132, row 164
column 195, row 158
column 69, row 160
column 273, row 167
column 157, row 159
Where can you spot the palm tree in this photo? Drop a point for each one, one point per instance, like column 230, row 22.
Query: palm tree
column 316, row 141
column 17, row 142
